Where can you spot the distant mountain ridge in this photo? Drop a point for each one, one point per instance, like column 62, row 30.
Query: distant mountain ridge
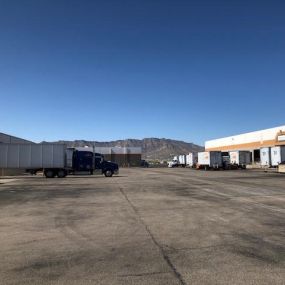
column 152, row 148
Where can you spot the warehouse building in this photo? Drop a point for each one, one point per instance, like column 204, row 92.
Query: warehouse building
column 124, row 156
column 252, row 141
column 4, row 138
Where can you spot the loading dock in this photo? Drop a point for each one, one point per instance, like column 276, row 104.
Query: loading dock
column 253, row 142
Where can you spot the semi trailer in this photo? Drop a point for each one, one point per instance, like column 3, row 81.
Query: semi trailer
column 182, row 160
column 265, row 157
column 277, row 155
column 210, row 159
column 55, row 160
column 191, row 159
column 240, row 158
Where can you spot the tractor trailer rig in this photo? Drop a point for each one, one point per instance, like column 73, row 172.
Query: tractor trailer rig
column 55, row 160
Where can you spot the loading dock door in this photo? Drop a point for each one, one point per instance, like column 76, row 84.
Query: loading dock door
column 256, row 155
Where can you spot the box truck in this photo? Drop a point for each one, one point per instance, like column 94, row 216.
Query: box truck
column 182, row 160
column 191, row 159
column 54, row 160
column 277, row 155
column 178, row 161
column 210, row 159
column 265, row 157
column 240, row 158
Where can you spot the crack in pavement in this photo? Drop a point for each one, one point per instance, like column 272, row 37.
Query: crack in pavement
column 142, row 274
column 163, row 253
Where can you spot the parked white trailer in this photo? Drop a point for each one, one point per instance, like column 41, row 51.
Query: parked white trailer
column 210, row 159
column 182, row 160
column 277, row 155
column 191, row 159
column 265, row 157
column 30, row 156
column 240, row 158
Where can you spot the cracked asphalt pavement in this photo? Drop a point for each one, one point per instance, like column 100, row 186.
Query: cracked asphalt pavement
column 145, row 226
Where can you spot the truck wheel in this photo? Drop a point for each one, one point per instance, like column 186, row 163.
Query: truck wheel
column 108, row 173
column 61, row 173
column 49, row 173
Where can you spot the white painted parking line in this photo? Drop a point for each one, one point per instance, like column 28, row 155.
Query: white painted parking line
column 4, row 180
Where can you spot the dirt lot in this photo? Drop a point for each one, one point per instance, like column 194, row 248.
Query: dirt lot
column 146, row 226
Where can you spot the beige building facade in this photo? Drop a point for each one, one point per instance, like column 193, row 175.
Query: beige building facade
column 252, row 141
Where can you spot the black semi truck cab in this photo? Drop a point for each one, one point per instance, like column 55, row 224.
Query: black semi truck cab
column 83, row 161
column 88, row 161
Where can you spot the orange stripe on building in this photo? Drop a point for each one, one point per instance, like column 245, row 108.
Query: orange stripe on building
column 246, row 146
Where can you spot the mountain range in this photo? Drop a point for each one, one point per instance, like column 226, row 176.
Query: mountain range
column 152, row 148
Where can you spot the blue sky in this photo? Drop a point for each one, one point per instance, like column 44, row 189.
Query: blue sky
column 103, row 70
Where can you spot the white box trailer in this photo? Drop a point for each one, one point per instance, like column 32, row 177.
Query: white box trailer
column 277, row 155
column 191, row 159
column 240, row 158
column 265, row 157
column 210, row 159
column 182, row 160
column 32, row 156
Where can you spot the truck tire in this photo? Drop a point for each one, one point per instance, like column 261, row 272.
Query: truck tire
column 49, row 173
column 61, row 173
column 108, row 173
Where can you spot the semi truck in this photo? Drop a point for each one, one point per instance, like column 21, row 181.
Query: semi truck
column 55, row 160
column 178, row 161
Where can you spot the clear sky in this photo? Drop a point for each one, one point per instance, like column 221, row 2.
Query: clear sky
column 111, row 69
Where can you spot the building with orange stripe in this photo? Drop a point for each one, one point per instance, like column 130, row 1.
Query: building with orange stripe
column 252, row 141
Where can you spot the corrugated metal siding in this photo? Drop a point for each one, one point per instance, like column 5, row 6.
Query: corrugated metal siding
column 103, row 150
column 124, row 156
column 32, row 155
column 4, row 138
column 118, row 150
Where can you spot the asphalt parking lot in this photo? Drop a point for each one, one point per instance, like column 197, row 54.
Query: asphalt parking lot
column 146, row 226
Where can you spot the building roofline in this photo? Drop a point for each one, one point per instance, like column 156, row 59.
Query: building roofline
column 15, row 137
